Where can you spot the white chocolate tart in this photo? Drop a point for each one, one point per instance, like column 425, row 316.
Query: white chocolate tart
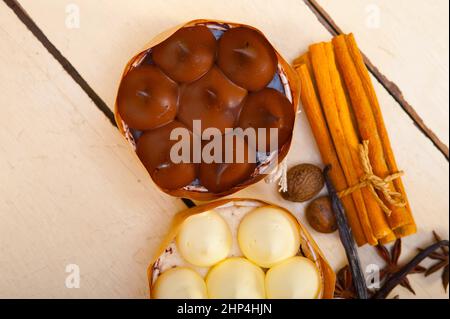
column 235, row 275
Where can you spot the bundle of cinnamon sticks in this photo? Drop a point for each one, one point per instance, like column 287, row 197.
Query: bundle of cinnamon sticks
column 345, row 116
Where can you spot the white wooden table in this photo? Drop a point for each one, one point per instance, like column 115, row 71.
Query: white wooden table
column 73, row 193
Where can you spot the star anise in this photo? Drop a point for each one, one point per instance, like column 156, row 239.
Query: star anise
column 344, row 287
column 411, row 266
column 392, row 267
column 442, row 262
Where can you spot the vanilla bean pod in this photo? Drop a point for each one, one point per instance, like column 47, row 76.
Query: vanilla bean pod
column 347, row 240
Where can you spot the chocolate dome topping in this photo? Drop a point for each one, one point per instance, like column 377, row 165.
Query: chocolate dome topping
column 247, row 58
column 147, row 98
column 267, row 109
column 153, row 149
column 187, row 55
column 213, row 99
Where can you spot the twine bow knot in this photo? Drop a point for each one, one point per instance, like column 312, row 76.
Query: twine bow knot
column 376, row 183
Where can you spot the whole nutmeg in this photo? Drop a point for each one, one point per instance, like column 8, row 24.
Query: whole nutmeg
column 304, row 181
column 320, row 215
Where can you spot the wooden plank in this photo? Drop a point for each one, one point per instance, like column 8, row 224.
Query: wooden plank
column 408, row 41
column 112, row 31
column 71, row 192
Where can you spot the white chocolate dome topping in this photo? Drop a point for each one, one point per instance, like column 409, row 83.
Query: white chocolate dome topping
column 179, row 283
column 235, row 278
column 268, row 235
column 204, row 239
column 294, row 278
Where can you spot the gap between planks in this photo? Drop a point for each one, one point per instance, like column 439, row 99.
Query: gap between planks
column 23, row 16
column 392, row 88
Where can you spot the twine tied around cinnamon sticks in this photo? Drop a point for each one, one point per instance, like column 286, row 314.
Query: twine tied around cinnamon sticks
column 374, row 183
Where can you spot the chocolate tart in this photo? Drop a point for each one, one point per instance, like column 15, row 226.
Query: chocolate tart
column 214, row 89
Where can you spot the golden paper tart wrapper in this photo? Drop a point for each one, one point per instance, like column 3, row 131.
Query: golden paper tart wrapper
column 233, row 210
column 289, row 80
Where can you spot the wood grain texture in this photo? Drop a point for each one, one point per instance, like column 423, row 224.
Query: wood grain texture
column 407, row 44
column 71, row 192
column 110, row 33
column 67, row 66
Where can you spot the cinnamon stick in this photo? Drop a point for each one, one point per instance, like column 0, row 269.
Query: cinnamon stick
column 367, row 123
column 389, row 238
column 322, row 136
column 395, row 219
column 324, row 86
column 376, row 216
column 405, row 230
